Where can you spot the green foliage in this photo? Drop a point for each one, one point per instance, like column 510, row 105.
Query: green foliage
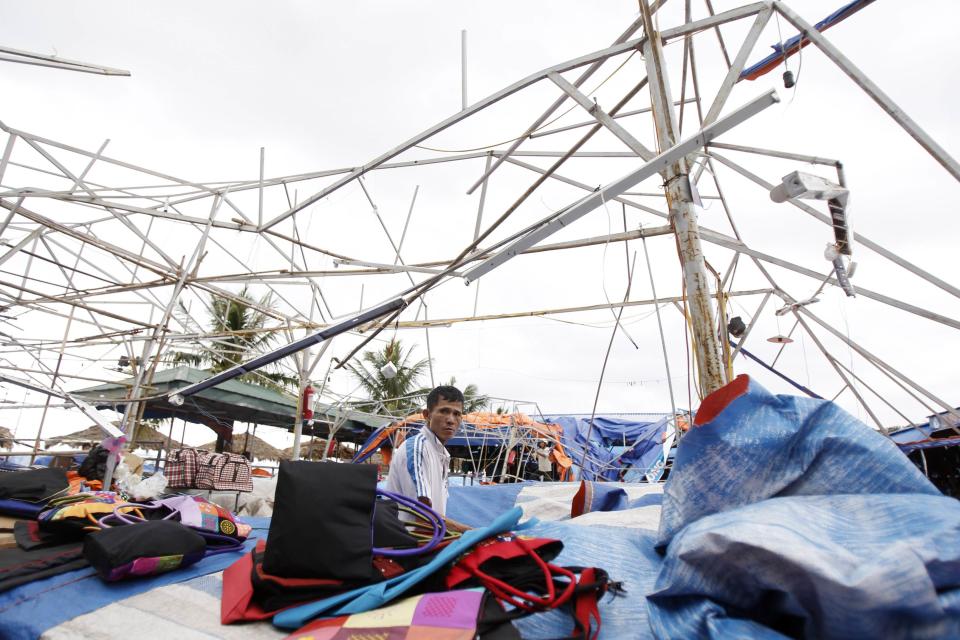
column 238, row 333
column 401, row 394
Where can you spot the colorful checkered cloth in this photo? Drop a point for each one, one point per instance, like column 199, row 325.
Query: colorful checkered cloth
column 451, row 615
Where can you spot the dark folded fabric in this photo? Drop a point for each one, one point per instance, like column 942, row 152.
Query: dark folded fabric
column 142, row 549
column 33, row 485
column 29, row 535
column 322, row 525
column 20, row 566
column 388, row 529
column 273, row 592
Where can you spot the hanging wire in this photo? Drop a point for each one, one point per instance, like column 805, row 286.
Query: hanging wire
column 663, row 340
column 603, row 368
column 603, row 271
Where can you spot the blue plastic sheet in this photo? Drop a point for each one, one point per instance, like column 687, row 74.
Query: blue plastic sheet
column 480, row 505
column 604, row 444
column 787, row 517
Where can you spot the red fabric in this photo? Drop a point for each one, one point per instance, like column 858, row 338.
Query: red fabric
column 585, row 605
column 717, row 401
column 504, row 547
column 510, row 547
column 236, row 602
column 583, row 497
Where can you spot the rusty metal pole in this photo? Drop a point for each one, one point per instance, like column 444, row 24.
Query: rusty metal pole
column 683, row 215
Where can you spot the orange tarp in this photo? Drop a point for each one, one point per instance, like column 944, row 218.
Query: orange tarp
column 488, row 419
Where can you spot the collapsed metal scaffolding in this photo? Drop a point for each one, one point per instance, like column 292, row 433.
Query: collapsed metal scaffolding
column 89, row 237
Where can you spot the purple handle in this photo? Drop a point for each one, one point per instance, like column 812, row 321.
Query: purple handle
column 129, row 519
column 434, row 518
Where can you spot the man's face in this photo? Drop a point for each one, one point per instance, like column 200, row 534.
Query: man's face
column 444, row 419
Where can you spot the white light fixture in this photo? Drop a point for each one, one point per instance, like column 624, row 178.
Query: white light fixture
column 388, row 370
column 810, row 187
column 807, row 186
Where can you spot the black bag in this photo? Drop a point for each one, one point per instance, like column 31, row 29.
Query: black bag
column 142, row 549
column 94, row 466
column 322, row 525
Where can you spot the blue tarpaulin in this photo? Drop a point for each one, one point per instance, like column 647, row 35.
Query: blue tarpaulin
column 787, row 517
column 614, row 443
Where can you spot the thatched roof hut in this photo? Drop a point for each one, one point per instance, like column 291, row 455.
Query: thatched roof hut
column 342, row 452
column 258, row 448
column 147, row 438
column 153, row 439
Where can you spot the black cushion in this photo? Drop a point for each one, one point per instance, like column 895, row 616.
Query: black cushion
column 174, row 544
column 322, row 521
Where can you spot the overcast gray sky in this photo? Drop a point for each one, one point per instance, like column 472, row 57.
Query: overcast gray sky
column 327, row 85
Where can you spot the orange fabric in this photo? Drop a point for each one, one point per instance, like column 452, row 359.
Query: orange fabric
column 488, row 419
column 260, row 473
column 76, row 482
column 560, row 457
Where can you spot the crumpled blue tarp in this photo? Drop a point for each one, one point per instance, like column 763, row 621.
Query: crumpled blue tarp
column 604, row 458
column 787, row 517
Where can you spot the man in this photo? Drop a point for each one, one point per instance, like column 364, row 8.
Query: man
column 419, row 466
column 544, row 464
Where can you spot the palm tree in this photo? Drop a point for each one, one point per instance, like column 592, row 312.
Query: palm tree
column 238, row 333
column 472, row 400
column 399, row 394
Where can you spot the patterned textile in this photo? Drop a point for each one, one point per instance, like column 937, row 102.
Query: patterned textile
column 205, row 516
column 181, row 468
column 79, row 512
column 787, row 517
column 451, row 615
column 196, row 469
column 225, row 472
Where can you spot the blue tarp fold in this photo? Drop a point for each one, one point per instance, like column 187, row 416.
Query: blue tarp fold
column 613, row 443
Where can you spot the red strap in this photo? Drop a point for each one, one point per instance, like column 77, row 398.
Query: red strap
column 522, row 599
column 585, row 605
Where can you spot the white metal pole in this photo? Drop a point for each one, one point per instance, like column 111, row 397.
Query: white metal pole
column 683, row 215
column 463, row 69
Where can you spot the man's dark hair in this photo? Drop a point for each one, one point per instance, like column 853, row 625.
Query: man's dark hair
column 444, row 392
